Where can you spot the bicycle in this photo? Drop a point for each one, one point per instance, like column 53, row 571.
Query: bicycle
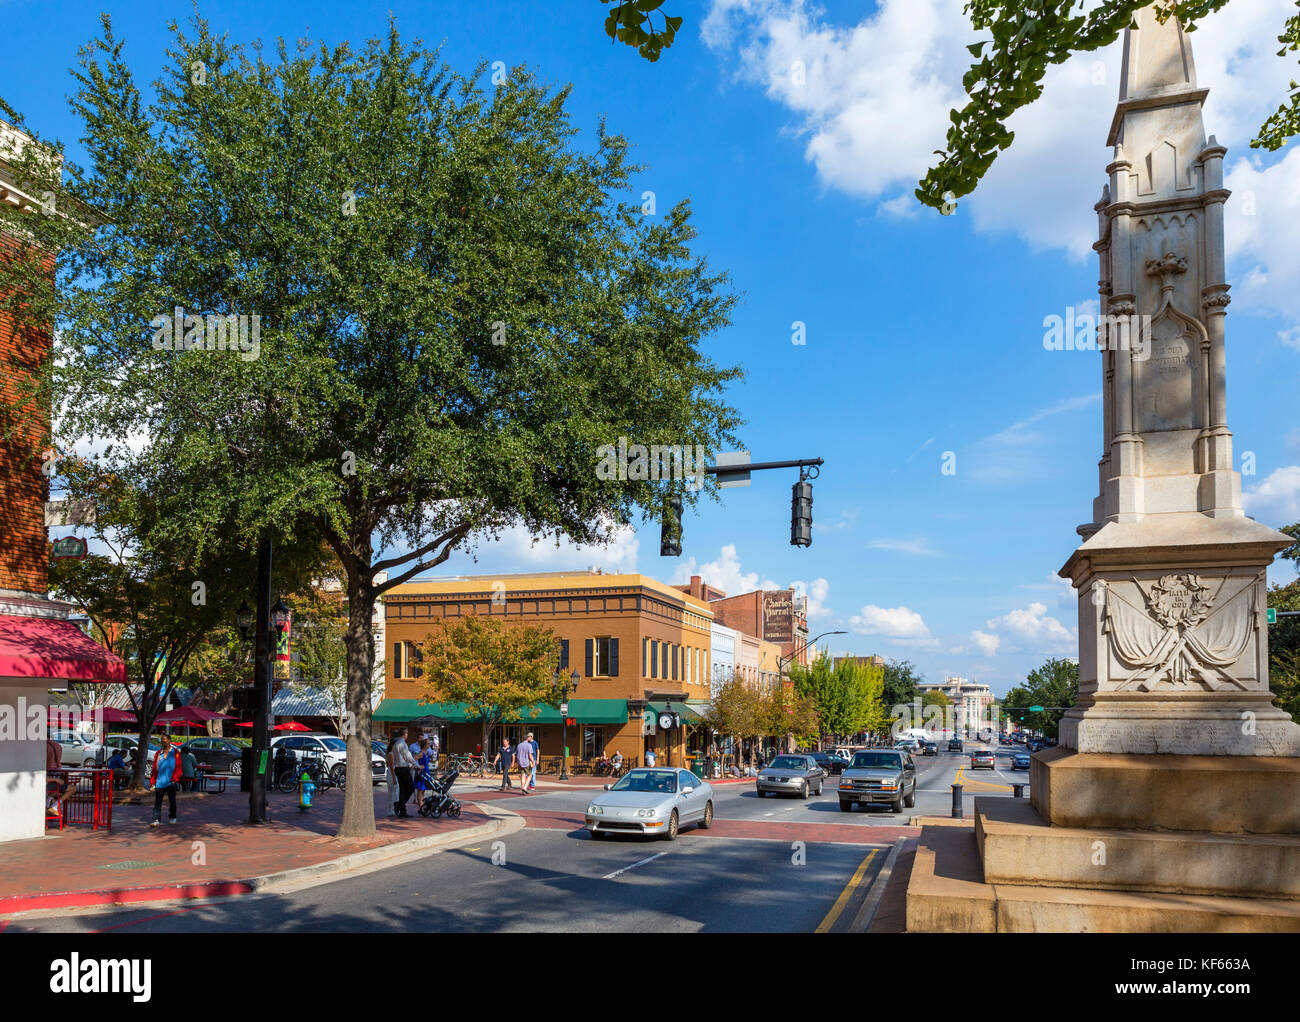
column 290, row 778
column 468, row 764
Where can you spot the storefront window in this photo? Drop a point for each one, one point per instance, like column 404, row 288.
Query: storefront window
column 593, row 742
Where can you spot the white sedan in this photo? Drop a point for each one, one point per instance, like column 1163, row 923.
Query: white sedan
column 651, row 800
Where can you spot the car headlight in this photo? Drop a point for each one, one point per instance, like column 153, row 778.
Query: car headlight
column 647, row 812
column 595, row 810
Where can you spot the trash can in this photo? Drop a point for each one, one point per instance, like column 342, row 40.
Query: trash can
column 697, row 766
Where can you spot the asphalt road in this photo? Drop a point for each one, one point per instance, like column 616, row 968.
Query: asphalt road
column 776, row 864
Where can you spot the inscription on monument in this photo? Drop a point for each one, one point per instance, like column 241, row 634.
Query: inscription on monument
column 1168, row 379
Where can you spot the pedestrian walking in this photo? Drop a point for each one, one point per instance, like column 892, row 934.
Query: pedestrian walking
column 163, row 778
column 650, row 757
column 524, row 757
column 537, row 759
column 505, row 755
column 399, row 756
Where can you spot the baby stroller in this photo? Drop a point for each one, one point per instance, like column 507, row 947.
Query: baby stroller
column 438, row 801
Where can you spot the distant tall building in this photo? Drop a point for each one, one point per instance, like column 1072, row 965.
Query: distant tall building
column 969, row 700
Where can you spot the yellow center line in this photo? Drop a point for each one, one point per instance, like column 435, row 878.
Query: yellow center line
column 834, row 914
column 963, row 781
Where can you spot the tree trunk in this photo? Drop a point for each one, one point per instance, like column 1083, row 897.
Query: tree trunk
column 359, row 798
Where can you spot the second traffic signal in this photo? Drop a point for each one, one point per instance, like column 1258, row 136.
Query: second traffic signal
column 801, row 514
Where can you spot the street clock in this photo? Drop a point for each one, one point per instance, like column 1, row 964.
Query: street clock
column 667, row 721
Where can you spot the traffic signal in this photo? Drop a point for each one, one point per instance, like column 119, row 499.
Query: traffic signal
column 801, row 514
column 670, row 534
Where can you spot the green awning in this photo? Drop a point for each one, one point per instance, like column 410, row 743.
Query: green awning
column 585, row 711
column 690, row 715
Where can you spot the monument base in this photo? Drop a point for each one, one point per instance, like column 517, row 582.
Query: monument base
column 947, row 893
column 1207, row 794
column 1013, row 873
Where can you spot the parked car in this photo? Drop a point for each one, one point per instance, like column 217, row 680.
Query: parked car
column 332, row 750
column 76, row 749
column 791, row 774
column 220, row 754
column 839, row 761
column 885, row 775
column 907, row 744
column 1020, row 761
column 929, row 749
column 651, row 800
column 982, row 758
column 128, row 743
column 954, row 745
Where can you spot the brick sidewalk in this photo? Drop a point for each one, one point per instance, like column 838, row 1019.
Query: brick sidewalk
column 210, row 852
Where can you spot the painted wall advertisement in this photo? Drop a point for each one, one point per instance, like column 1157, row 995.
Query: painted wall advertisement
column 778, row 616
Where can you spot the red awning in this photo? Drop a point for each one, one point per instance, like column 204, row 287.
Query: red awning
column 53, row 650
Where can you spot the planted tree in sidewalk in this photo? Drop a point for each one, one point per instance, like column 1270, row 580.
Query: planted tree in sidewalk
column 737, row 710
column 353, row 294
column 501, row 672
column 789, row 716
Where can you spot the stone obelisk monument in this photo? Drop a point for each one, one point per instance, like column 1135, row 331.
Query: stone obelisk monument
column 1173, row 800
column 1173, row 645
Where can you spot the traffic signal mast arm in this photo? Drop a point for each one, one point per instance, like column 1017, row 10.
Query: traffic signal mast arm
column 736, row 473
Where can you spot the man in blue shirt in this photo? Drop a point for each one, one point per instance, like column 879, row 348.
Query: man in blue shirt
column 163, row 779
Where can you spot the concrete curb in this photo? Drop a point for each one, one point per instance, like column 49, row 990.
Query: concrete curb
column 502, row 822
column 867, row 913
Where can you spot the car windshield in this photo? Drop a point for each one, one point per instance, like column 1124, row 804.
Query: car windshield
column 335, row 744
column 877, row 761
column 789, row 763
column 648, row 780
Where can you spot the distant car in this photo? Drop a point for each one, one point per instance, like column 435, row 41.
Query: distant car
column 929, row 749
column 982, row 758
column 954, row 745
column 884, row 775
column 828, row 764
column 908, row 744
column 794, row 774
column 1020, row 761
column 1004, row 740
column 127, row 744
column 651, row 801
column 220, row 754
column 839, row 761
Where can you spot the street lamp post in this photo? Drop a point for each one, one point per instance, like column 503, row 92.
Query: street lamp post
column 568, row 685
column 795, row 652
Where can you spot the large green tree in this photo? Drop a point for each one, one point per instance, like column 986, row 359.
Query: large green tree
column 901, row 680
column 1022, row 40
column 457, row 307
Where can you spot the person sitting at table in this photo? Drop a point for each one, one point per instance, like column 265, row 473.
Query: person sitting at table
column 189, row 769
column 121, row 778
column 57, row 787
column 602, row 767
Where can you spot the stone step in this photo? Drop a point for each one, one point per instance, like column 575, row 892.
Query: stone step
column 1214, row 794
column 947, row 894
column 1017, row 847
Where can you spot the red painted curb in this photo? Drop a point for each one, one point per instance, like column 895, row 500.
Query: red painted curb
column 124, row 896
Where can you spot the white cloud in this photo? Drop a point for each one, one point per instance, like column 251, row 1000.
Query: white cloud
column 875, row 98
column 517, row 545
column 919, row 546
column 900, row 623
column 816, row 591
column 1275, row 500
column 1033, row 627
column 987, row 642
column 725, row 573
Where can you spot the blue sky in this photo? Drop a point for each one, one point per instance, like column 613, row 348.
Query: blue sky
column 924, row 333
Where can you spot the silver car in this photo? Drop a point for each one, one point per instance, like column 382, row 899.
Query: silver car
column 791, row 775
column 651, row 800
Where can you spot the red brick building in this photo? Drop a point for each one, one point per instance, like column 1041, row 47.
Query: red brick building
column 773, row 615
